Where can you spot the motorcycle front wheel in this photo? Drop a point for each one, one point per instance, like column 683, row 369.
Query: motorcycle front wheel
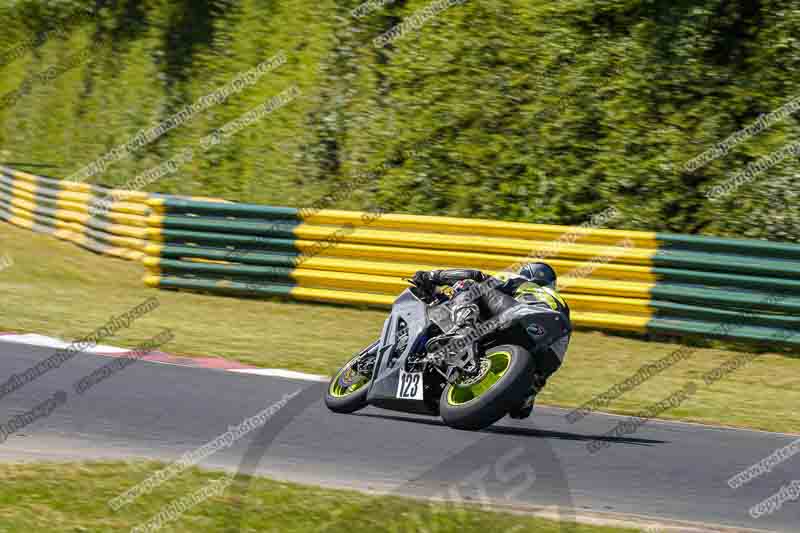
column 347, row 391
column 502, row 382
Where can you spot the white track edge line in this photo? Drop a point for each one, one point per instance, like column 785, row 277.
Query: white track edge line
column 291, row 374
column 281, row 373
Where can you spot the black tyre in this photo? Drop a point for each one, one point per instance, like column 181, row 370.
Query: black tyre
column 503, row 383
column 347, row 391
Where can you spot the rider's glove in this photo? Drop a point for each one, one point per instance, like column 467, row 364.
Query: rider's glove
column 424, row 280
column 445, row 292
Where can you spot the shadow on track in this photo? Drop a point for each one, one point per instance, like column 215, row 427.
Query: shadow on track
column 525, row 432
column 488, row 470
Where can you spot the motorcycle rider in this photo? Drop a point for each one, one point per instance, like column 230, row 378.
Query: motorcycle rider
column 533, row 284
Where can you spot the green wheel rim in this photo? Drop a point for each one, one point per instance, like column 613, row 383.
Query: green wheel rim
column 499, row 363
column 337, row 390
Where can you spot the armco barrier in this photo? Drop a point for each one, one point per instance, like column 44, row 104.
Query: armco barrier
column 622, row 280
column 613, row 279
column 106, row 221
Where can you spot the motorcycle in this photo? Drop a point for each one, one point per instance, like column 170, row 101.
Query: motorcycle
column 459, row 364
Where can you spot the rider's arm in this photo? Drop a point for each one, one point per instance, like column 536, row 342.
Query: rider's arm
column 453, row 275
column 428, row 280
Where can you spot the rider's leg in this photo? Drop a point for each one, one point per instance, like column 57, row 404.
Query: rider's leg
column 495, row 301
column 547, row 363
column 548, row 360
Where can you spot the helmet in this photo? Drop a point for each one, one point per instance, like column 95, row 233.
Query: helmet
column 539, row 273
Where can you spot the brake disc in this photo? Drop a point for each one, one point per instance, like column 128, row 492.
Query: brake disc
column 485, row 366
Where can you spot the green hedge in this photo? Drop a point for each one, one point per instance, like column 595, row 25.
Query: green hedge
column 508, row 109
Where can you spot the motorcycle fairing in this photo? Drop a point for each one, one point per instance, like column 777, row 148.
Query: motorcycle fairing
column 382, row 392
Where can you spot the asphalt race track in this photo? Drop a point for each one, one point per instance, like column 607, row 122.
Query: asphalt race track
column 670, row 471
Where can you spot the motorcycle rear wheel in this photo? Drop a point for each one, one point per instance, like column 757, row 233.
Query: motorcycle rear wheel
column 502, row 384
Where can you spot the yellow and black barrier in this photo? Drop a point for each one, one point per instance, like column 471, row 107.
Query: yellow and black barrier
column 106, row 221
column 613, row 279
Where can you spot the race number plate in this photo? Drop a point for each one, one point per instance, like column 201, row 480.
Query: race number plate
column 410, row 386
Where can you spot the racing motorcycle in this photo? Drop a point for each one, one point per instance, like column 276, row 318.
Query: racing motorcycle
column 456, row 363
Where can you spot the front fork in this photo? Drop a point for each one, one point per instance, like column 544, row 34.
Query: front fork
column 451, row 366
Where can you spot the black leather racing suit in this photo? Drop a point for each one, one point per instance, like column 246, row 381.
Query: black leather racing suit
column 494, row 302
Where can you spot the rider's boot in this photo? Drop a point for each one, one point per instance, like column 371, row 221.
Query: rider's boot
column 526, row 408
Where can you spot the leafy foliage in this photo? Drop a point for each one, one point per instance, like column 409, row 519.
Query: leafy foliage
column 508, row 109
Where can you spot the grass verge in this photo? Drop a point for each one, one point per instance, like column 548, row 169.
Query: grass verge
column 57, row 289
column 74, row 497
